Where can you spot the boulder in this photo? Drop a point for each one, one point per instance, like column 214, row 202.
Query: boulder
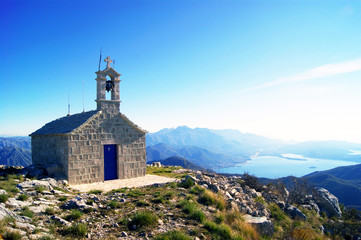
column 263, row 225
column 295, row 213
column 4, row 212
column 13, row 203
column 60, row 220
column 327, row 202
column 76, row 203
column 34, row 183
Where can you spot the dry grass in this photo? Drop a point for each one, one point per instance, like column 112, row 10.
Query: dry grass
column 210, row 198
column 306, row 234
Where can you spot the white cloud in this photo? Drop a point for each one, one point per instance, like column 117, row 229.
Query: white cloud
column 326, row 70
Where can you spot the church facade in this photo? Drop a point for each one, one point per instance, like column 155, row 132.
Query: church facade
column 93, row 146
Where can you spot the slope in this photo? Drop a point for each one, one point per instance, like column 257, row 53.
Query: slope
column 15, row 156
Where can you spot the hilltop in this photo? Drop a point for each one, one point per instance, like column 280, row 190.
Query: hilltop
column 196, row 206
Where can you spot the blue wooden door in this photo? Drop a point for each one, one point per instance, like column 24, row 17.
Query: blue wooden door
column 110, row 162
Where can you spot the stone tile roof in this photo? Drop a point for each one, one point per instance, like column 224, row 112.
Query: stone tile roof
column 65, row 124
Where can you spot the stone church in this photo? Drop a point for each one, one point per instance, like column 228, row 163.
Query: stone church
column 93, row 146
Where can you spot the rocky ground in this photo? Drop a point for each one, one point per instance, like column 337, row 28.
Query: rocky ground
column 196, row 206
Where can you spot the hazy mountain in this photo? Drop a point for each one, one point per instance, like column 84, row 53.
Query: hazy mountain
column 22, row 142
column 15, row 156
column 197, row 155
column 232, row 146
column 179, row 161
column 219, row 141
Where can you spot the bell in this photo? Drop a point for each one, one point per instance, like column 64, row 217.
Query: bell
column 109, row 86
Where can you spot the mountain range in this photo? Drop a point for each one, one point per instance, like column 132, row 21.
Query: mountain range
column 15, row 151
column 225, row 148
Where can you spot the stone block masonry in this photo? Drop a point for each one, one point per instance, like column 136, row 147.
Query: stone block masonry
column 86, row 164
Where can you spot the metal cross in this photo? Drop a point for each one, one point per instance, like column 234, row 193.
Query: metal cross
column 108, row 60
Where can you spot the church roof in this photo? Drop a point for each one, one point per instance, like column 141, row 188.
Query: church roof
column 65, row 124
column 69, row 123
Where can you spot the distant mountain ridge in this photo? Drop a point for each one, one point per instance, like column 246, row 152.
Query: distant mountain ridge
column 15, row 156
column 21, row 142
column 225, row 148
column 15, row 151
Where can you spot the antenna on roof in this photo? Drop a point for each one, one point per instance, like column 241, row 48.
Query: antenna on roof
column 100, row 59
column 113, row 63
column 83, row 97
column 68, row 104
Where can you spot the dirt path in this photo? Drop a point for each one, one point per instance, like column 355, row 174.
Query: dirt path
column 122, row 183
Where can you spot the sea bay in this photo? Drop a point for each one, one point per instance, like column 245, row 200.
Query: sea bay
column 276, row 167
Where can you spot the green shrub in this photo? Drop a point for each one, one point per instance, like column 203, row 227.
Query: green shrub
column 75, row 214
column 143, row 219
column 27, row 212
column 168, row 195
column 95, row 191
column 63, row 198
column 197, row 190
column 219, row 218
column 22, row 197
column 277, row 213
column 192, row 210
column 120, row 190
column 223, row 231
column 172, row 235
column 114, row 204
column 187, row 183
column 198, row 215
column 77, row 230
column 40, row 188
column 4, row 198
column 12, row 235
column 141, row 203
column 187, row 206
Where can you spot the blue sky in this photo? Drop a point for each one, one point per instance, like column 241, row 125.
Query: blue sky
column 282, row 69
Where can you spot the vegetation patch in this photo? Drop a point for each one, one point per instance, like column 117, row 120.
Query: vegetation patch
column 3, row 198
column 173, row 235
column 78, row 230
column 27, row 212
column 95, row 191
column 210, row 198
column 143, row 220
column 75, row 214
column 192, row 210
column 187, row 183
column 22, row 197
column 114, row 204
column 40, row 188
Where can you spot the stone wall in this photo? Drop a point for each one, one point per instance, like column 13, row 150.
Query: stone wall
column 86, row 154
column 51, row 151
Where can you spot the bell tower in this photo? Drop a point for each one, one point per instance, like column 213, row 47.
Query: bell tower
column 112, row 85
